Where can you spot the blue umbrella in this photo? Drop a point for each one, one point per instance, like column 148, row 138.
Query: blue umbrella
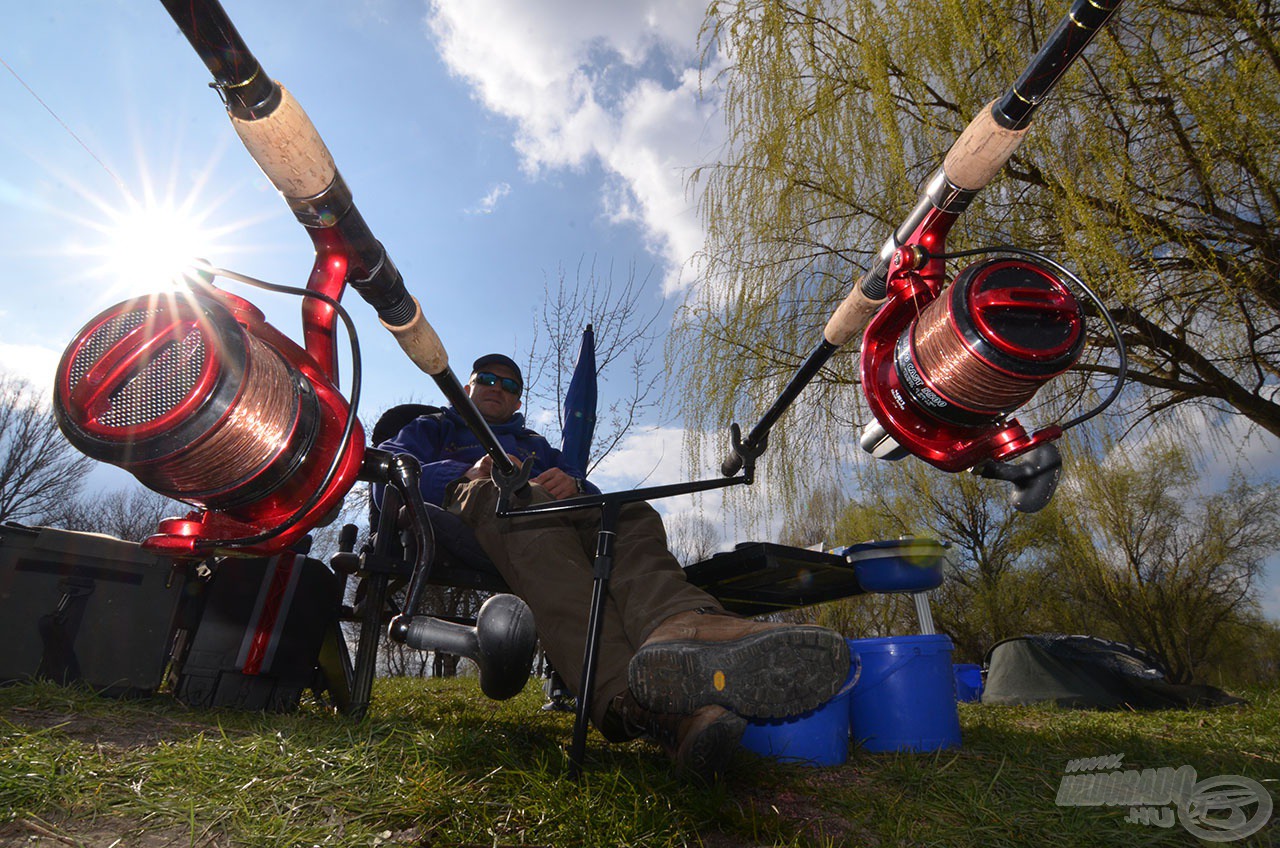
column 580, row 405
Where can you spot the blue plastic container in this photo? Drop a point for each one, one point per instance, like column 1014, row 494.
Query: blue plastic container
column 905, row 699
column 897, row 565
column 817, row 738
column 968, row 682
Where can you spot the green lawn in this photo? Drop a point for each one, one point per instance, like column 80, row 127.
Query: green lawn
column 436, row 764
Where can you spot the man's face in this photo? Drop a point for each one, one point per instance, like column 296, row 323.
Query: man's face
column 495, row 403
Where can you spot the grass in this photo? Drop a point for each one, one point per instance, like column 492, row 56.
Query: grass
column 437, row 764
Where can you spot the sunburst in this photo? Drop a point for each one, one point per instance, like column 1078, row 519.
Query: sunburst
column 144, row 244
column 140, row 241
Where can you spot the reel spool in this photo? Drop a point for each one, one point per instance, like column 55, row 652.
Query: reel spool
column 943, row 371
column 203, row 401
column 1004, row 329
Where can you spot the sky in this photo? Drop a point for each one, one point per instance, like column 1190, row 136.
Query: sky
column 490, row 144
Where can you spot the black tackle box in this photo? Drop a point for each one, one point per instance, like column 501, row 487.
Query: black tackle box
column 260, row 628
column 87, row 608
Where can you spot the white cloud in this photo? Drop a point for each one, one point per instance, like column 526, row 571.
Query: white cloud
column 490, row 201
column 613, row 84
column 1232, row 444
column 33, row 363
column 646, row 458
column 656, row 457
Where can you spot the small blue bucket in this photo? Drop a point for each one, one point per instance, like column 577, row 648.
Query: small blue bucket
column 896, row 565
column 968, row 682
column 817, row 738
column 905, row 699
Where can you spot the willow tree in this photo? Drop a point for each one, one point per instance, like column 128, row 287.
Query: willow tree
column 1156, row 563
column 1154, row 171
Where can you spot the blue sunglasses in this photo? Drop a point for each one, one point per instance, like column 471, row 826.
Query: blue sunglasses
column 487, row 378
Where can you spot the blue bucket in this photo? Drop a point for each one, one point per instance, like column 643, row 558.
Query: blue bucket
column 817, row 738
column 968, row 682
column 905, row 699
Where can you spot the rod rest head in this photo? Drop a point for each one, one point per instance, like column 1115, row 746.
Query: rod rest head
column 502, row 643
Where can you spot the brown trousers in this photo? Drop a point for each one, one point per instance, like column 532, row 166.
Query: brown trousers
column 547, row 561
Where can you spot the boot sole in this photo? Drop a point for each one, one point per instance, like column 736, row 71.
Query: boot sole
column 707, row 756
column 775, row 674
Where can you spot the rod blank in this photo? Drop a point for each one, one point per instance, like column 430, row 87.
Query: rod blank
column 982, row 150
column 285, row 143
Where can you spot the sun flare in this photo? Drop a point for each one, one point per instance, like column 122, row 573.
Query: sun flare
column 142, row 239
column 148, row 246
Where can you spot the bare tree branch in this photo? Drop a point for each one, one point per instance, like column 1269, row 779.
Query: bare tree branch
column 40, row 471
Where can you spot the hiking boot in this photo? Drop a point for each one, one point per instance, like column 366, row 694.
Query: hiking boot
column 705, row 741
column 701, row 744
column 753, row 668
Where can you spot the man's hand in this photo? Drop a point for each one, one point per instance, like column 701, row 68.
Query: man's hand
column 483, row 469
column 557, row 483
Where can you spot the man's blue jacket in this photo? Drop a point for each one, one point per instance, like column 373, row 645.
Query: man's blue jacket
column 446, row 449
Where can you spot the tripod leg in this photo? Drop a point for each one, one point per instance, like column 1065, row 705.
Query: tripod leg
column 367, row 650
column 603, row 568
column 336, row 668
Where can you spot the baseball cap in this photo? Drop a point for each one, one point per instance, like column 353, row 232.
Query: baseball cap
column 498, row 359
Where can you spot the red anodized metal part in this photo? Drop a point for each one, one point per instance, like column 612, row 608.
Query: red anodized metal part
column 91, row 396
column 915, row 280
column 191, row 535
column 147, row 377
column 171, row 318
column 945, row 446
column 203, row 400
column 328, row 277
column 1052, row 300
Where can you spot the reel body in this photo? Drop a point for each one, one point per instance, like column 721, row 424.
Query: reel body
column 203, row 401
column 944, row 367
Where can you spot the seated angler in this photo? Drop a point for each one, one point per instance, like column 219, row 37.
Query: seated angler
column 674, row 665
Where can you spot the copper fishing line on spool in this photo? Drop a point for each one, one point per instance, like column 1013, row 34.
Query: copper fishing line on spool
column 956, row 373
column 202, row 400
column 256, row 431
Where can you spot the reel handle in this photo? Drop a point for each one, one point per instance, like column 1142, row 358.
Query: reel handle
column 1034, row 476
column 502, row 643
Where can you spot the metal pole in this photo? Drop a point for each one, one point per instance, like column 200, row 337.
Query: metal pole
column 602, row 570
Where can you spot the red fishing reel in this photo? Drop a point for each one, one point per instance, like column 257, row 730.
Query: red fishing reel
column 944, row 368
column 203, row 401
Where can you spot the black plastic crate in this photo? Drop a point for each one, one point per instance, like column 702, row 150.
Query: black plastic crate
column 87, row 608
column 257, row 639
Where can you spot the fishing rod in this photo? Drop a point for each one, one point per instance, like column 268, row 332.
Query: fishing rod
column 203, row 400
column 943, row 370
column 286, row 145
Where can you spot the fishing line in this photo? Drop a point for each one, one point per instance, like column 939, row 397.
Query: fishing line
column 63, row 124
